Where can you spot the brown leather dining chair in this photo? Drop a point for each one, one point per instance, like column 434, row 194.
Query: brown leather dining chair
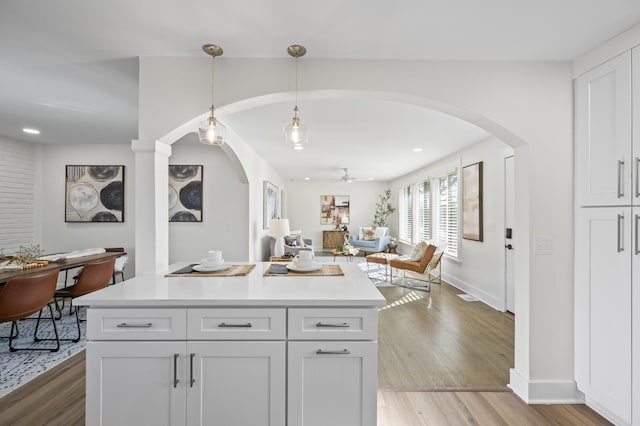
column 23, row 296
column 94, row 276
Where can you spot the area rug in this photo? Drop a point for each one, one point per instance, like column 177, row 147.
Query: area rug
column 17, row 368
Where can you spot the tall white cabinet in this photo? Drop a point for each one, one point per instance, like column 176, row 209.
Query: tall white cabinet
column 607, row 245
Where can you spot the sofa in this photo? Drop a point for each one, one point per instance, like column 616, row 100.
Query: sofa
column 369, row 240
column 295, row 249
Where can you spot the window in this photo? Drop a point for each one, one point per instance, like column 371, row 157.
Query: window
column 429, row 210
column 447, row 218
column 424, row 211
column 406, row 214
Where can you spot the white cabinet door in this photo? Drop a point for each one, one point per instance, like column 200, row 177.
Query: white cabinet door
column 604, row 161
column 134, row 383
column 332, row 383
column 603, row 307
column 236, row 383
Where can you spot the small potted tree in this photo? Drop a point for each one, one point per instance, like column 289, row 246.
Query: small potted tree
column 384, row 209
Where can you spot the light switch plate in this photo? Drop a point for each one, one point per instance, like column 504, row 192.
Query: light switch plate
column 543, row 245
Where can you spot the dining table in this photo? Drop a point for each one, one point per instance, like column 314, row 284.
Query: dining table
column 63, row 264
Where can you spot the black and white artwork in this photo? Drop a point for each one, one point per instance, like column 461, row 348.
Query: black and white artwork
column 94, row 194
column 185, row 193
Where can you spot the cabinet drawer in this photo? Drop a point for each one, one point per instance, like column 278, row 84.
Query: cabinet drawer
column 333, row 324
column 136, row 324
column 236, row 324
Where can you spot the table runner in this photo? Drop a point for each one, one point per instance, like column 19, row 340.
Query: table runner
column 324, row 271
column 233, row 271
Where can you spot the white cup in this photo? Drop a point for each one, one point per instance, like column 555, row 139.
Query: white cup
column 214, row 255
column 214, row 258
column 304, row 256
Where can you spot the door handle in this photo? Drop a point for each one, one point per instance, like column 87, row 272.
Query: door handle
column 175, row 370
column 637, row 250
column 508, row 247
column 191, row 379
column 620, row 178
column 342, row 352
column 620, row 230
column 637, row 178
column 225, row 325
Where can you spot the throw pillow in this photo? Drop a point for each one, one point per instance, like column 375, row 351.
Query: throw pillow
column 381, row 231
column 300, row 237
column 292, row 241
column 361, row 231
column 418, row 251
column 369, row 235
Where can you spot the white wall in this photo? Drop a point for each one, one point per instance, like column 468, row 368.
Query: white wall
column 225, row 208
column 19, row 173
column 527, row 105
column 479, row 268
column 303, row 205
column 60, row 236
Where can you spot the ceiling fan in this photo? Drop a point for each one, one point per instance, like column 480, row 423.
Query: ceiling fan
column 346, row 178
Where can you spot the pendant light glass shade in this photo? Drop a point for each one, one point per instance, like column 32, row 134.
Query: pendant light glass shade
column 295, row 132
column 211, row 131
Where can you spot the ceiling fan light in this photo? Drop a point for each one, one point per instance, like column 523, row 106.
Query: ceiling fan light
column 211, row 131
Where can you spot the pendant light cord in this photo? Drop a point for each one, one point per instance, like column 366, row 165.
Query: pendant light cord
column 296, row 82
column 213, row 69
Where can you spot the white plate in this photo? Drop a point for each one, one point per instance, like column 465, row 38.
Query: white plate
column 201, row 268
column 313, row 267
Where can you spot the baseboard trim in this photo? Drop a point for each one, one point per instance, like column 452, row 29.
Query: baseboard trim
column 544, row 392
column 486, row 298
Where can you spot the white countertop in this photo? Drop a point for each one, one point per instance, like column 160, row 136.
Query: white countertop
column 352, row 289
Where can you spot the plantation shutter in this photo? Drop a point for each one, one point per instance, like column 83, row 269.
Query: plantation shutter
column 452, row 218
column 424, row 211
column 406, row 214
column 447, row 224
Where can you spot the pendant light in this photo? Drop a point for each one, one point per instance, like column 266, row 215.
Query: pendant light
column 211, row 131
column 295, row 132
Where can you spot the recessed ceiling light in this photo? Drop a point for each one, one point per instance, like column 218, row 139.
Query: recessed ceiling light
column 31, row 131
column 307, row 178
column 417, row 149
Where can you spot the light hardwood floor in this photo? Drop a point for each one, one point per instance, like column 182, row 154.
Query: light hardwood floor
column 442, row 361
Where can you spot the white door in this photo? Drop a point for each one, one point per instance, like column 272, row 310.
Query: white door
column 603, row 134
column 236, row 383
column 603, row 253
column 135, row 383
column 332, row 383
column 509, row 222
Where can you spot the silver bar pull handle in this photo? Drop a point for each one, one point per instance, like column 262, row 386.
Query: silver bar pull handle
column 620, row 178
column 175, row 370
column 342, row 352
column 191, row 379
column 338, row 325
column 637, row 251
column 127, row 325
column 637, row 177
column 620, row 230
column 225, row 325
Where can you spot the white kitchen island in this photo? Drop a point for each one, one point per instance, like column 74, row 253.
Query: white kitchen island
column 247, row 350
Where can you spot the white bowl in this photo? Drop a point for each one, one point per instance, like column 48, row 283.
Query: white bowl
column 303, row 264
column 207, row 263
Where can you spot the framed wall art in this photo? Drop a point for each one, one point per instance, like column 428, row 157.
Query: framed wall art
column 472, row 202
column 94, row 194
column 185, row 193
column 271, row 201
column 334, row 209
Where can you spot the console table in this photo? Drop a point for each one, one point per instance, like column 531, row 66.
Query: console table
column 333, row 239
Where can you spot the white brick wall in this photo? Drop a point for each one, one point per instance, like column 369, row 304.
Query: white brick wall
column 17, row 194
